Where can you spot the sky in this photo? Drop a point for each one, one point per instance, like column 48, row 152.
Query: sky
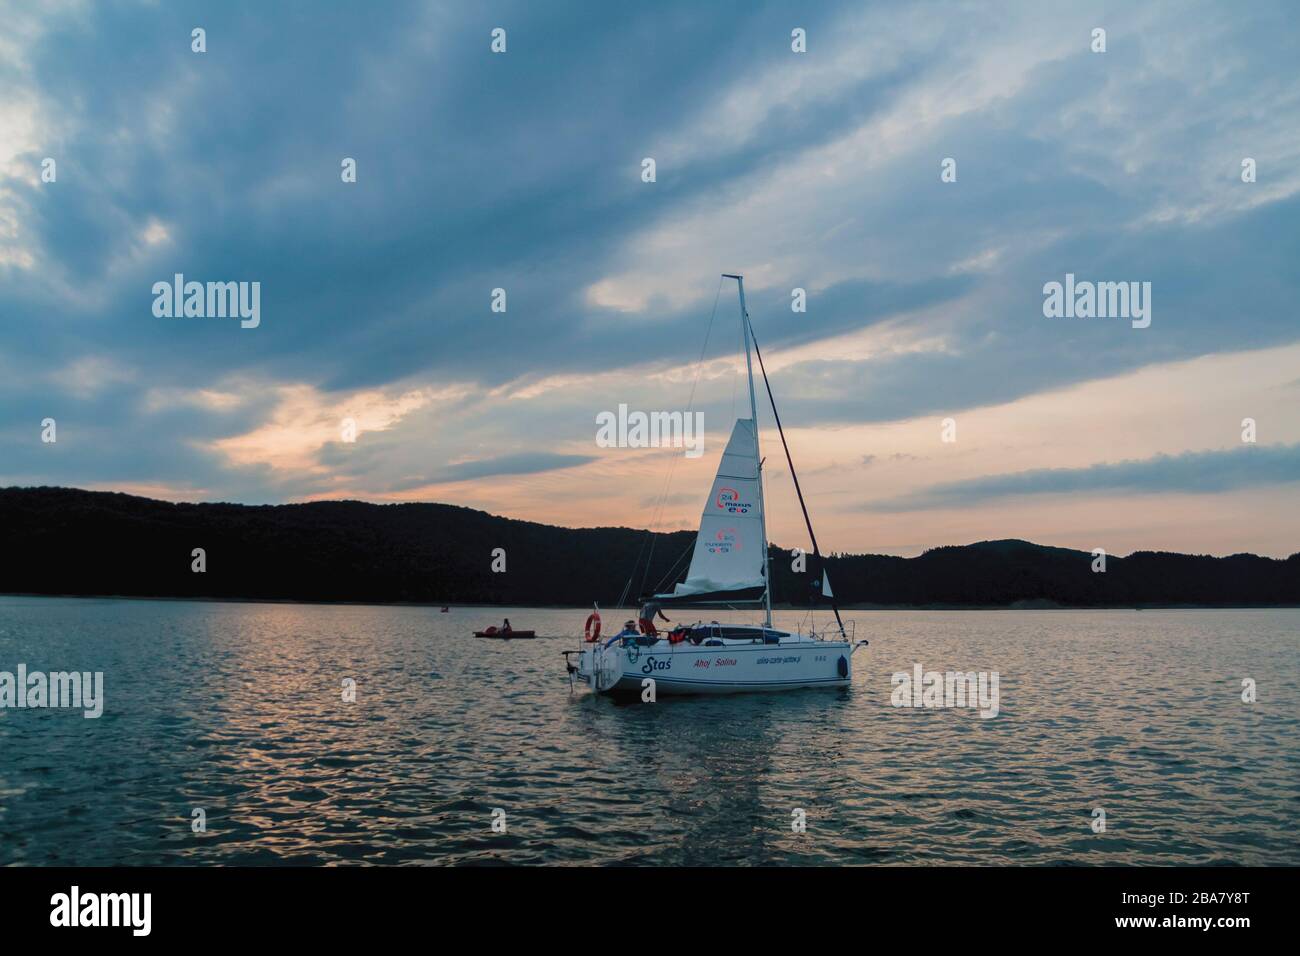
column 523, row 170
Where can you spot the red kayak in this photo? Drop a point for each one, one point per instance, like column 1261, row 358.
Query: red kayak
column 504, row 635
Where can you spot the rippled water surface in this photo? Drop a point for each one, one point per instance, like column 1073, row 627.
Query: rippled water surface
column 237, row 709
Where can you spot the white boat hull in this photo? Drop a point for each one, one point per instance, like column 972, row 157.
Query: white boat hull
column 734, row 668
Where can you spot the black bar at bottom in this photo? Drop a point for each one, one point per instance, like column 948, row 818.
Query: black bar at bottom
column 732, row 906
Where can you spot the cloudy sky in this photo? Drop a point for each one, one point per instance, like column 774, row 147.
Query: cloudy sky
column 522, row 170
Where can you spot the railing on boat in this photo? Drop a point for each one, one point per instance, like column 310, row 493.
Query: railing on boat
column 833, row 633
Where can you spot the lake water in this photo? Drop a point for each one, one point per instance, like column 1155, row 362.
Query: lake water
column 237, row 709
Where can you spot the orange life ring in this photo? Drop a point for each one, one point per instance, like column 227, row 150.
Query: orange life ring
column 589, row 634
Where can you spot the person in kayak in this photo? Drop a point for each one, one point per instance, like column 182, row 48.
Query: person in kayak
column 648, row 613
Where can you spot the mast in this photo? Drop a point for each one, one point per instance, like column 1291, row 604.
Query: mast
column 753, row 414
column 817, row 557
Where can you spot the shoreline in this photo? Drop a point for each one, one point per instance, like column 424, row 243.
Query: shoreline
column 1028, row 605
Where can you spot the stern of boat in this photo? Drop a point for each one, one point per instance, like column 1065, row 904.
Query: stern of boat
column 598, row 667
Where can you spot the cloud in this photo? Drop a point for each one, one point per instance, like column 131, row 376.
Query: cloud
column 818, row 171
column 1202, row 472
column 304, row 422
column 524, row 463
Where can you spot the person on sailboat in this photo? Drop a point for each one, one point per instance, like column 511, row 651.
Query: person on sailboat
column 648, row 613
column 625, row 636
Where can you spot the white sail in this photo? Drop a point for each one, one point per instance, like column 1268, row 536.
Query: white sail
column 729, row 550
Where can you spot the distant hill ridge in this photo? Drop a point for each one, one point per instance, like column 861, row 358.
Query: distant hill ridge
column 69, row 541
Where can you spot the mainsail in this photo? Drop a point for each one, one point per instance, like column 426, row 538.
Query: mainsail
column 729, row 551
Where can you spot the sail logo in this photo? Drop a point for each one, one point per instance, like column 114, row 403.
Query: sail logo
column 725, row 541
column 624, row 429
column 729, row 500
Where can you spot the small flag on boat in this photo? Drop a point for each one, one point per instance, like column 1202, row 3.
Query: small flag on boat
column 826, row 585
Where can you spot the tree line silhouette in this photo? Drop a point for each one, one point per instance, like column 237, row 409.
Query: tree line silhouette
column 70, row 541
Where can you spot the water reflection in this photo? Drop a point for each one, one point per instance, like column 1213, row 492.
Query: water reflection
column 239, row 709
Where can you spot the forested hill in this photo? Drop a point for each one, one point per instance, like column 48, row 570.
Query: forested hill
column 68, row 541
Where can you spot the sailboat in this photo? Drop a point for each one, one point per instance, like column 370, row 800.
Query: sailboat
column 729, row 567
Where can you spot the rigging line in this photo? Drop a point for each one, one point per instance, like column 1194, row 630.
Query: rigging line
column 632, row 577
column 735, row 379
column 762, row 477
column 821, row 565
column 699, row 367
column 635, row 564
column 690, row 401
column 672, row 570
column 672, row 464
column 666, row 577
